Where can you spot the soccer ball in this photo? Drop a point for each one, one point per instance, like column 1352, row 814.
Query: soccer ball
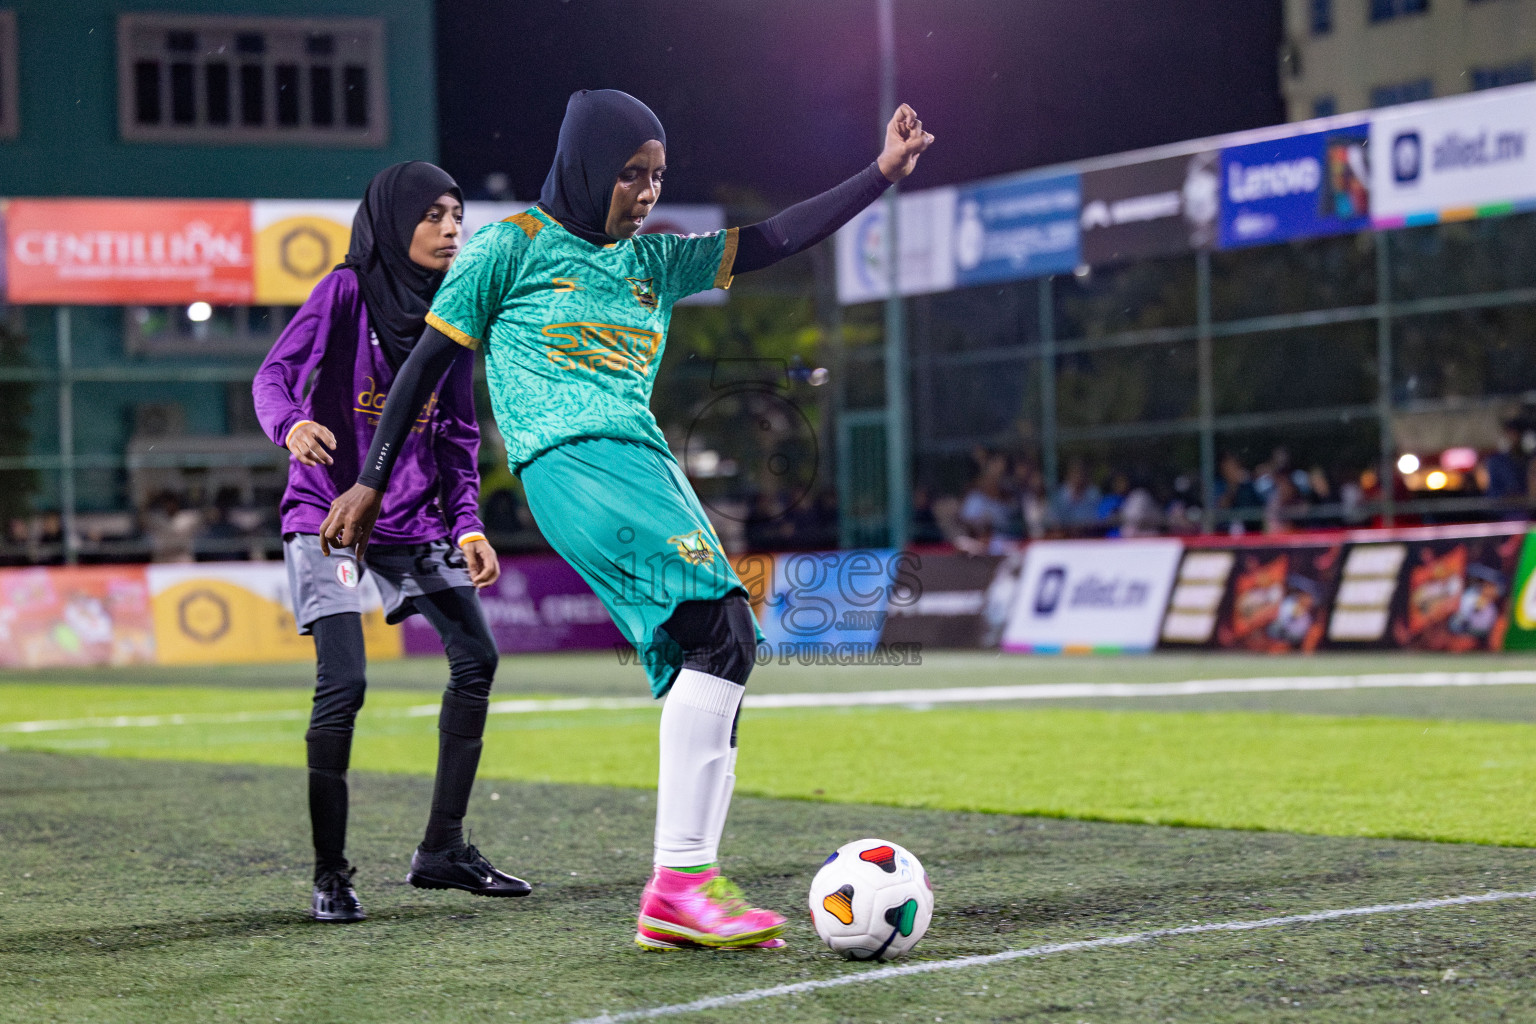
column 871, row 901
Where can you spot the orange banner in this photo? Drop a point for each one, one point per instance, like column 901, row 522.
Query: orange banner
column 128, row 251
column 98, row 615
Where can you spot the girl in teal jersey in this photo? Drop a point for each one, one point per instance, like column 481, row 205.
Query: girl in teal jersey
column 572, row 305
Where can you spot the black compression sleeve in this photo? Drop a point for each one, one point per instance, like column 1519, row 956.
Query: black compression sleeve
column 413, row 385
column 804, row 224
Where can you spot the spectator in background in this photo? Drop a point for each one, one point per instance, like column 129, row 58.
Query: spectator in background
column 1235, row 491
column 1075, row 506
column 1507, row 472
column 172, row 529
column 1034, row 505
column 1108, row 512
column 1284, row 506
column 1184, row 510
column 1352, row 500
column 985, row 514
column 1138, row 512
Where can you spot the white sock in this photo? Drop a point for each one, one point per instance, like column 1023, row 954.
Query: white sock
column 696, row 762
column 723, row 802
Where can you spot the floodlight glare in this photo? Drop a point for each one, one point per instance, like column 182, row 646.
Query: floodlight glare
column 1407, row 463
column 199, row 312
column 1436, row 480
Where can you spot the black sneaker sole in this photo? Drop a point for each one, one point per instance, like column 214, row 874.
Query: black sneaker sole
column 338, row 918
column 424, row 882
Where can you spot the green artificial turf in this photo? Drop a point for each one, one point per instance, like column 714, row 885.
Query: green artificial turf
column 168, row 892
column 1427, row 779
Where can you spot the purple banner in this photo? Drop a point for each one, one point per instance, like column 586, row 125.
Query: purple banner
column 539, row 604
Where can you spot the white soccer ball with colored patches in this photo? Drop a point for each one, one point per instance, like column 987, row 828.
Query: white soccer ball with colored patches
column 871, row 900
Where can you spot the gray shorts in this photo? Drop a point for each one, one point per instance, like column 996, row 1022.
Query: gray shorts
column 332, row 584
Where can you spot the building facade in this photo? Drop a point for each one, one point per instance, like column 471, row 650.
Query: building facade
column 1347, row 55
column 128, row 413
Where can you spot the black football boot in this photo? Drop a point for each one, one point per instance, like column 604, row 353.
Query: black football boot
column 463, row 867
column 334, row 900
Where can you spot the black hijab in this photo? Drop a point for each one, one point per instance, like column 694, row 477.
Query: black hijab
column 396, row 290
column 601, row 131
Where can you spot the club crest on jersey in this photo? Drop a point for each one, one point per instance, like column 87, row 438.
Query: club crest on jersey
column 693, row 547
column 346, row 573
column 644, row 291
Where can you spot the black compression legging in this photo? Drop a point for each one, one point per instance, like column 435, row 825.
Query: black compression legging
column 340, row 679
column 340, row 683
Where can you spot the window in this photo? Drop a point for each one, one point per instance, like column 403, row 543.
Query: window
column 1505, row 74
column 1386, row 10
column 1402, row 92
column 1325, row 106
column 10, row 115
column 1322, row 17
column 251, row 80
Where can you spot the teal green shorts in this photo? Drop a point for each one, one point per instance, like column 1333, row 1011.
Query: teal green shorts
column 624, row 516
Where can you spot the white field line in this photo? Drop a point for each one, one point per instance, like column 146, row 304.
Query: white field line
column 868, row 698
column 1033, row 952
column 153, row 721
column 1188, row 688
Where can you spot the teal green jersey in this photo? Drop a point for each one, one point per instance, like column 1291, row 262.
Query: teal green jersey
column 573, row 332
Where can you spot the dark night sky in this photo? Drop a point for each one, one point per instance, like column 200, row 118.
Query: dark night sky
column 780, row 96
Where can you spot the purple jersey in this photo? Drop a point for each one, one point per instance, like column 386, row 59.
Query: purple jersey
column 435, row 489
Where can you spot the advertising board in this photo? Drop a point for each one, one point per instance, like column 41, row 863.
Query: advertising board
column 297, row 243
column 1007, row 229
column 1153, row 208
column 209, row 613
column 1092, row 595
column 1436, row 592
column 539, row 604
column 1304, row 186
column 927, row 263
column 94, row 615
column 961, row 603
column 128, row 251
column 1454, row 159
column 1270, row 600
column 1521, row 635
column 833, row 601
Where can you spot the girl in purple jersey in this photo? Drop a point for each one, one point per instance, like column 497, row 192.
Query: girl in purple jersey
column 319, row 393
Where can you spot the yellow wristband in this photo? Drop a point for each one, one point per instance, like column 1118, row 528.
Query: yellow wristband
column 468, row 537
column 288, row 439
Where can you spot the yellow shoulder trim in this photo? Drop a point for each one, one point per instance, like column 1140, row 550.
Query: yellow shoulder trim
column 467, row 340
column 724, row 276
column 530, row 224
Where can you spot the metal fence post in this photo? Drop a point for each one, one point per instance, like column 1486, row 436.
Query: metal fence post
column 1387, row 470
column 64, row 337
column 1205, row 369
column 1048, row 464
column 898, row 490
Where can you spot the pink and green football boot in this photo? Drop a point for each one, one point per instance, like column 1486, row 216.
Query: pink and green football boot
column 693, row 910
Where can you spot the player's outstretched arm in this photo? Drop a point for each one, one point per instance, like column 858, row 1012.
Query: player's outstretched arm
column 905, row 141
column 353, row 513
column 804, row 224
